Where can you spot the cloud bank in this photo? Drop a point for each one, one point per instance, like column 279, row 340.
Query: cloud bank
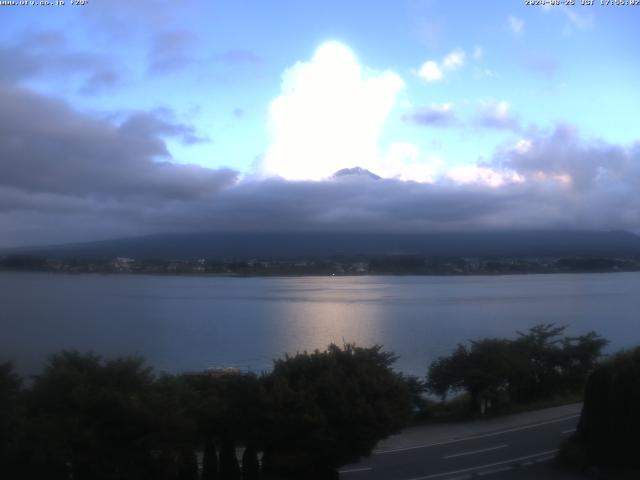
column 67, row 175
column 89, row 178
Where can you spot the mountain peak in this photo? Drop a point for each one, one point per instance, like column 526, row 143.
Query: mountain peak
column 356, row 172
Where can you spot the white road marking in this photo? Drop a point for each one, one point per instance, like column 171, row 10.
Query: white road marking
column 571, row 430
column 481, row 467
column 473, row 452
column 474, row 437
column 355, row 470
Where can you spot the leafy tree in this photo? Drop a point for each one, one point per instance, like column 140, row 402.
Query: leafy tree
column 606, row 437
column 608, row 428
column 535, row 365
column 173, row 431
column 231, row 409
column 331, row 408
column 542, row 363
column 88, row 418
column 483, row 371
column 580, row 357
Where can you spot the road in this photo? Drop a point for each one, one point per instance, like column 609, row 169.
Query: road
column 514, row 447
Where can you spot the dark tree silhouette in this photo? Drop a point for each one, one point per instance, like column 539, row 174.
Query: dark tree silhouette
column 229, row 467
column 250, row 464
column 210, row 460
column 330, row 408
column 536, row 365
column 607, row 433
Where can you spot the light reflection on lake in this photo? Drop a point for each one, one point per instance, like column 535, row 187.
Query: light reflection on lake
column 190, row 323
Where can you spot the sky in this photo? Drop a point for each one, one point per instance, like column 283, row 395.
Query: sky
column 125, row 118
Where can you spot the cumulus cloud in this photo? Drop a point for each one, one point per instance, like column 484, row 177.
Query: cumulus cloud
column 435, row 115
column 432, row 71
column 454, row 60
column 329, row 115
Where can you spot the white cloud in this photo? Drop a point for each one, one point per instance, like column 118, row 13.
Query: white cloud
column 480, row 175
column 454, row 60
column 521, row 146
column 516, row 24
column 430, row 71
column 329, row 115
column 405, row 161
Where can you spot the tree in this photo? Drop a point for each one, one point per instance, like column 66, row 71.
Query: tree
column 483, row 371
column 607, row 433
column 542, row 361
column 330, row 408
column 535, row 365
column 231, row 410
column 89, row 419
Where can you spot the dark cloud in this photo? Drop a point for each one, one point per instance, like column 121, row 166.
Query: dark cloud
column 47, row 148
column 432, row 116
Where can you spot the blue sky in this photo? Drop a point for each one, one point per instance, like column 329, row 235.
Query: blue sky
column 424, row 91
column 579, row 68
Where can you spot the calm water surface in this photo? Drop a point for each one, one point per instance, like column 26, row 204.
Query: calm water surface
column 191, row 323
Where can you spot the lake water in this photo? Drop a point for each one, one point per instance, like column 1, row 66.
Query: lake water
column 191, row 323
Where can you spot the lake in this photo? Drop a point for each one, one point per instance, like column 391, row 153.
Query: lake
column 192, row 323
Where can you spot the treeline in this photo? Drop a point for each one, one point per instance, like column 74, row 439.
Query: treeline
column 339, row 265
column 537, row 365
column 86, row 418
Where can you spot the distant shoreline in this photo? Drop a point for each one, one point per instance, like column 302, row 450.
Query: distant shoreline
column 317, row 275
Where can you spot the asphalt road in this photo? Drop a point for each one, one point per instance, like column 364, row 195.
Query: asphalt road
column 517, row 452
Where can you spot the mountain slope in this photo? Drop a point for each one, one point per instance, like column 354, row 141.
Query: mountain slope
column 308, row 244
